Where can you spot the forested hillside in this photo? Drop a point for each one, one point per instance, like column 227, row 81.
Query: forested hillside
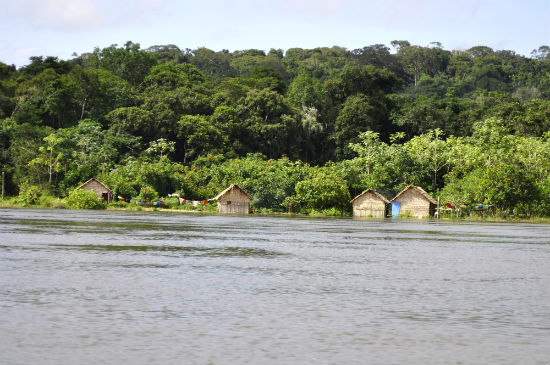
column 305, row 128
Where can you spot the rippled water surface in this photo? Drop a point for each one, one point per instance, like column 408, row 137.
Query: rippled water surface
column 153, row 288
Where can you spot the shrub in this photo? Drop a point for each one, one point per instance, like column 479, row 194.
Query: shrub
column 84, row 199
column 542, row 206
column 406, row 214
column 171, row 203
column 58, row 203
column 29, row 194
column 147, row 194
column 118, row 204
column 50, row 201
column 210, row 207
column 323, row 192
column 330, row 212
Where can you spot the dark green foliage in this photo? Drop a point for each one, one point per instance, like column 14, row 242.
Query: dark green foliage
column 359, row 113
column 169, row 54
column 128, row 62
column 194, row 121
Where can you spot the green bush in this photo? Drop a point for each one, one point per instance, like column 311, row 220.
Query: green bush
column 84, row 199
column 330, row 212
column 118, row 204
column 323, row 192
column 147, row 194
column 29, row 194
column 170, row 203
column 210, row 207
column 50, row 201
column 406, row 214
column 59, row 203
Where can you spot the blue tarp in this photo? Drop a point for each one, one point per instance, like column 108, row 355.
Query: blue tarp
column 395, row 208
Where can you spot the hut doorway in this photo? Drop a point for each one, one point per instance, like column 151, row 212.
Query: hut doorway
column 395, row 208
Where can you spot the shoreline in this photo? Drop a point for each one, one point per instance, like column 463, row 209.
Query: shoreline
column 533, row 220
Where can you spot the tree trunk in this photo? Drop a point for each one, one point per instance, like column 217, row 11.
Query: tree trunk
column 50, row 167
column 83, row 109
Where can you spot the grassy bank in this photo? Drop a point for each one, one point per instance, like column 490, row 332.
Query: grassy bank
column 497, row 219
column 44, row 202
column 57, row 203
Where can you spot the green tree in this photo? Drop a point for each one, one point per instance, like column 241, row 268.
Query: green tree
column 128, row 62
column 147, row 194
column 131, row 120
column 162, row 147
column 359, row 114
column 431, row 152
column 418, row 60
column 171, row 76
column 197, row 135
column 213, row 63
column 305, row 91
column 415, row 116
column 268, row 122
column 50, row 155
column 505, row 186
column 323, row 191
column 372, row 161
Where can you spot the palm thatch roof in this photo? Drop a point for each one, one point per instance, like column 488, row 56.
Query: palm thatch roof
column 96, row 180
column 380, row 196
column 230, row 188
column 419, row 190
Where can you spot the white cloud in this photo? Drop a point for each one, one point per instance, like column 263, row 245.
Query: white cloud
column 316, row 6
column 27, row 52
column 69, row 14
column 130, row 11
column 60, row 15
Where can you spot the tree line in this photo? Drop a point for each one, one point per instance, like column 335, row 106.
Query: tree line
column 299, row 128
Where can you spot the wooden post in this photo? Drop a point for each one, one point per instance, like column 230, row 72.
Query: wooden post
column 438, row 209
column 3, row 185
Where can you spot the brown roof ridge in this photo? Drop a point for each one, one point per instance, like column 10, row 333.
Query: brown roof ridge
column 231, row 187
column 100, row 183
column 374, row 192
column 420, row 190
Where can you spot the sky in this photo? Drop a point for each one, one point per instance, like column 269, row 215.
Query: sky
column 63, row 27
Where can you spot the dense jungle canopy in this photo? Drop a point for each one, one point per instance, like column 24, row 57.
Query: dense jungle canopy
column 470, row 126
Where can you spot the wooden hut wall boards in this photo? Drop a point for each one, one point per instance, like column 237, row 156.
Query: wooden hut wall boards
column 233, row 200
column 369, row 204
column 98, row 188
column 414, row 200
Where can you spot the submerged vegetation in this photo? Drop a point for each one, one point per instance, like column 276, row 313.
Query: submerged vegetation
column 302, row 130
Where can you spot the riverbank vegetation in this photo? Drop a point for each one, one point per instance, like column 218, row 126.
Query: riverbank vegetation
column 301, row 130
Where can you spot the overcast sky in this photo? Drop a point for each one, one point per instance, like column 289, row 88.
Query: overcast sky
column 61, row 27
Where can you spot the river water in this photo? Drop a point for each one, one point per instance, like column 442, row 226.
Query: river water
column 82, row 287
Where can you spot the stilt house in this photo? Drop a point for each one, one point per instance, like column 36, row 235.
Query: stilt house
column 369, row 204
column 414, row 200
column 98, row 188
column 233, row 200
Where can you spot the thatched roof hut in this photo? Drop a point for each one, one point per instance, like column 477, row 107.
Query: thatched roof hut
column 414, row 200
column 369, row 204
column 233, row 200
column 98, row 188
